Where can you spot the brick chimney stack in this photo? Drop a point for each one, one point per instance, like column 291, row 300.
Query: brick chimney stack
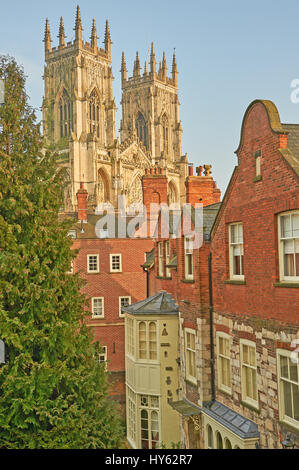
column 82, row 203
column 201, row 188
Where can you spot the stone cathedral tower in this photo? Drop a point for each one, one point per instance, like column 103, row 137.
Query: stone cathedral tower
column 79, row 120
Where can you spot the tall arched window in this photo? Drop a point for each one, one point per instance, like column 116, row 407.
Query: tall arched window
column 94, row 114
column 142, row 341
column 141, row 129
column 152, row 341
column 219, row 441
column 210, row 437
column 65, row 115
column 165, row 133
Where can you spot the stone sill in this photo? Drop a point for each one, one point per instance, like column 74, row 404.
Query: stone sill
column 164, row 278
column 257, row 178
column 288, row 427
column 235, row 282
column 250, row 407
column 286, row 284
column 225, row 392
column 188, row 281
column 189, row 382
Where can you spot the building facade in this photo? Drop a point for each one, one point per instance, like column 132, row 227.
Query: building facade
column 238, row 298
column 151, row 372
column 255, row 253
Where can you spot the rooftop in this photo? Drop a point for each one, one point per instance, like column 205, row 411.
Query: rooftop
column 161, row 303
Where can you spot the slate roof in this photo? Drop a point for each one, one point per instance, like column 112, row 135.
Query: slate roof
column 185, row 408
column 159, row 304
column 238, row 424
column 89, row 227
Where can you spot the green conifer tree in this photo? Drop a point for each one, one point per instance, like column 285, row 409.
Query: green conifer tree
column 53, row 391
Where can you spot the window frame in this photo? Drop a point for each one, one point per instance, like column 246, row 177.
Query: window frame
column 245, row 398
column 160, row 259
column 282, row 276
column 188, row 376
column 93, row 271
column 120, row 306
column 147, row 341
column 131, row 340
column 150, row 409
column 167, row 259
column 92, row 307
column 188, row 252
column 111, row 263
column 281, row 402
column 232, row 276
column 221, row 385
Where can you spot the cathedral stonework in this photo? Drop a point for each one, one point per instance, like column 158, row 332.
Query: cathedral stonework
column 79, row 120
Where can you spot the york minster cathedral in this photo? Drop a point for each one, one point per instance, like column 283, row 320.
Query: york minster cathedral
column 79, row 120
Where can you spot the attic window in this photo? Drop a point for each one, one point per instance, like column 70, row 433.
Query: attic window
column 258, row 156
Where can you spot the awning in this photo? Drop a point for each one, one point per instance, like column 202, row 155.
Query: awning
column 185, row 408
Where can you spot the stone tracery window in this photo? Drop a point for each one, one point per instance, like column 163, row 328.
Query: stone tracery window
column 165, row 133
column 94, row 114
column 141, row 129
column 135, row 191
column 65, row 115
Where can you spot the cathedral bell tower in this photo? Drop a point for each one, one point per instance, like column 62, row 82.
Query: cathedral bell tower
column 79, row 111
column 150, row 109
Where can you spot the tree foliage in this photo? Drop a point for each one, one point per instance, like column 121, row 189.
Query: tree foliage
column 53, row 391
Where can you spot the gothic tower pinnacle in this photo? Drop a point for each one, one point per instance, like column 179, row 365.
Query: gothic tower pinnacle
column 94, row 38
column 61, row 34
column 78, row 28
column 47, row 38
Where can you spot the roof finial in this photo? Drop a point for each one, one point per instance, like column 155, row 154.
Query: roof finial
column 174, row 70
column 137, row 68
column 47, row 38
column 107, row 40
column 164, row 67
column 145, row 69
column 153, row 62
column 61, row 34
column 123, row 68
column 94, row 38
column 78, row 27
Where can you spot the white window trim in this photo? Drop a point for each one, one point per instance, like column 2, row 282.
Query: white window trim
column 167, row 259
column 98, row 264
column 282, row 276
column 105, row 354
column 160, row 260
column 137, row 351
column 190, row 377
column 245, row 399
column 232, row 276
column 132, row 354
column 92, row 306
column 285, row 419
column 188, row 277
column 119, row 303
column 222, row 334
column 71, row 270
column 120, row 263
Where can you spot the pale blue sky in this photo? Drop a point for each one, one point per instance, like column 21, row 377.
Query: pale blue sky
column 228, row 52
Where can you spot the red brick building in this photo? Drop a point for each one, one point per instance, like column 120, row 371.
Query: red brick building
column 255, row 249
column 111, row 269
column 239, row 308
